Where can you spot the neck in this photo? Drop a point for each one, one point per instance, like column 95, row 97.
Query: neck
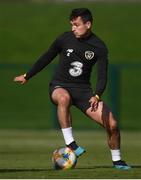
column 85, row 36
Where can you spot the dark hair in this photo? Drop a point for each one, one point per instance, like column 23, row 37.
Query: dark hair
column 84, row 13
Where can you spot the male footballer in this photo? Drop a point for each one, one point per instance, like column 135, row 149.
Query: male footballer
column 79, row 50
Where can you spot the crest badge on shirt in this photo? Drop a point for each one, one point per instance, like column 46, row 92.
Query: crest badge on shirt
column 89, row 55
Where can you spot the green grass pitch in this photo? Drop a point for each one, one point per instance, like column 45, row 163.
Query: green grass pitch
column 27, row 154
column 26, row 30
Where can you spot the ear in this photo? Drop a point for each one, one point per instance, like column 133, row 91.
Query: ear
column 88, row 24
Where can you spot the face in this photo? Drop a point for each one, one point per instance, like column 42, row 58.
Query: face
column 79, row 28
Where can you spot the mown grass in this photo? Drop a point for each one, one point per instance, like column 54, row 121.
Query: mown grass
column 27, row 154
column 26, row 31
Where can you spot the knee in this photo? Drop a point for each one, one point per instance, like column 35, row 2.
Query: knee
column 113, row 126
column 64, row 100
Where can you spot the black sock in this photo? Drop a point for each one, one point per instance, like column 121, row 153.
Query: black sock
column 73, row 145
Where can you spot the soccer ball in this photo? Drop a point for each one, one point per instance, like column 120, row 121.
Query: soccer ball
column 64, row 158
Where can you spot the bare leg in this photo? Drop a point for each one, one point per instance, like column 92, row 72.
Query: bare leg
column 62, row 99
column 104, row 117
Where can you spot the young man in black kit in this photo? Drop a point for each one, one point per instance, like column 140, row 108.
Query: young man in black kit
column 79, row 50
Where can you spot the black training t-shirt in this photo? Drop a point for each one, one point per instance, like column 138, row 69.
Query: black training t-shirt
column 77, row 57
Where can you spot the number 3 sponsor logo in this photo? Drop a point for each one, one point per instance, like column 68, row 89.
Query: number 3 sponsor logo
column 76, row 69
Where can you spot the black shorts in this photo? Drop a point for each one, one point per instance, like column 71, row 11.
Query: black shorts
column 79, row 96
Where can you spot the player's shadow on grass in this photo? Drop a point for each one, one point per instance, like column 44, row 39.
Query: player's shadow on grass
column 51, row 169
column 106, row 166
column 23, row 170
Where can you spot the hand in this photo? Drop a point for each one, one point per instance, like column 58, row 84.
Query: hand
column 94, row 103
column 21, row 79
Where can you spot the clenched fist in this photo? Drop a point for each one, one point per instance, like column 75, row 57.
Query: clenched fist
column 21, row 79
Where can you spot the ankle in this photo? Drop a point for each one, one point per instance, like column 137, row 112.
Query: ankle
column 73, row 145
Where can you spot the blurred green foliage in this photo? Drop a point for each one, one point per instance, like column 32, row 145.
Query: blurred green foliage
column 27, row 30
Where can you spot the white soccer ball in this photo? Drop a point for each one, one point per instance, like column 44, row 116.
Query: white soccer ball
column 64, row 158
